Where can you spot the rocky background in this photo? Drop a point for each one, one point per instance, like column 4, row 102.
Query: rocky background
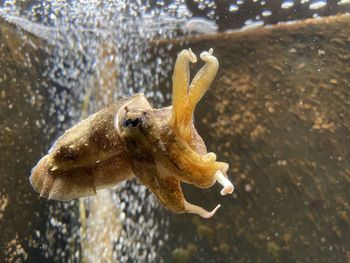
column 279, row 114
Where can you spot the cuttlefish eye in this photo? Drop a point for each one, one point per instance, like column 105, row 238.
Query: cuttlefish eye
column 131, row 122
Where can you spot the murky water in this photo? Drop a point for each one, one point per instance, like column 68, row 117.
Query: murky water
column 61, row 61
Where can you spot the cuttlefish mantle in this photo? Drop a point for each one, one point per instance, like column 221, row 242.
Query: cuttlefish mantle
column 160, row 147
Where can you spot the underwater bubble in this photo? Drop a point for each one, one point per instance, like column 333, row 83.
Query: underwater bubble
column 287, row 4
column 266, row 13
column 317, row 5
column 233, row 8
column 200, row 25
column 250, row 24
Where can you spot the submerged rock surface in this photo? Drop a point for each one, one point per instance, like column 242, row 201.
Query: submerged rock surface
column 278, row 112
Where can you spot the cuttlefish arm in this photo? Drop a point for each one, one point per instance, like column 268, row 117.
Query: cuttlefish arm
column 201, row 170
column 165, row 186
column 181, row 79
column 199, row 86
column 171, row 196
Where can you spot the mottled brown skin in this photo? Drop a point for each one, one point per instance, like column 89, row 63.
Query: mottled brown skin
column 81, row 170
column 161, row 147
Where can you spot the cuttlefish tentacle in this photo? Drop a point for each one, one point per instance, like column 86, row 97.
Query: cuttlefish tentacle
column 201, row 170
column 181, row 79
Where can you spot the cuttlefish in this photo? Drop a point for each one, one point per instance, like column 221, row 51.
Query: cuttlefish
column 160, row 147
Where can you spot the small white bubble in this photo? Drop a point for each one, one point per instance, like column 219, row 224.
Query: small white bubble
column 233, row 7
column 287, row 4
column 266, row 13
column 317, row 5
